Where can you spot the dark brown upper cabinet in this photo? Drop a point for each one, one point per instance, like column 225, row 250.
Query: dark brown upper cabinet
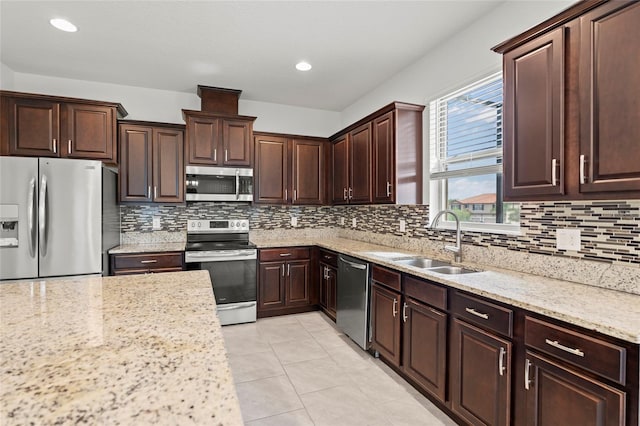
column 289, row 169
column 215, row 140
column 151, row 163
column 39, row 125
column 379, row 158
column 571, row 108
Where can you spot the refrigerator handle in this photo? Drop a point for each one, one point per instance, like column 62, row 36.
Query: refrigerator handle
column 42, row 216
column 31, row 218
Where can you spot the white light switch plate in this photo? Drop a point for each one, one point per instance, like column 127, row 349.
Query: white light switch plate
column 156, row 222
column 353, row 222
column 568, row 239
column 403, row 225
column 294, row 221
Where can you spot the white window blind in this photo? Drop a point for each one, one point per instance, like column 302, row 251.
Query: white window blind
column 466, row 130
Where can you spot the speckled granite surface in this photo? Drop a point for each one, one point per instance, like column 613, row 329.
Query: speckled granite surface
column 137, row 349
column 614, row 313
column 147, row 248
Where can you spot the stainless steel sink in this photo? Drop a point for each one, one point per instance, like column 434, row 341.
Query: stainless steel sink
column 452, row 270
column 422, row 262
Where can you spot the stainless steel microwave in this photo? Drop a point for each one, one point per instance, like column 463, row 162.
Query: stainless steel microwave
column 219, row 184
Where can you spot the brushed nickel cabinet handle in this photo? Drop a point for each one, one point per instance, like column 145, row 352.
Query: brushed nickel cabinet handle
column 155, row 191
column 476, row 313
column 350, row 193
column 149, row 261
column 527, row 381
column 215, row 155
column 69, row 146
column 283, row 269
column 285, row 254
column 288, row 269
column 583, row 165
column 395, row 311
column 501, row 367
column 556, row 344
column 345, row 193
column 388, row 189
column 55, row 146
column 226, row 155
column 404, row 312
column 286, row 194
column 554, row 173
column 295, row 194
column 149, row 191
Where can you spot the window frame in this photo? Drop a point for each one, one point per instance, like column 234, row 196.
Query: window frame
column 438, row 186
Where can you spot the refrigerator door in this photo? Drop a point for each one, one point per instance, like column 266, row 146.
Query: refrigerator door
column 70, row 217
column 18, row 217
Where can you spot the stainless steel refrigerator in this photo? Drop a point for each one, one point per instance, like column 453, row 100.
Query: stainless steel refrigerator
column 58, row 217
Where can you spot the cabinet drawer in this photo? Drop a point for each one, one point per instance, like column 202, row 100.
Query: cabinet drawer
column 150, row 261
column 329, row 257
column 485, row 314
column 595, row 355
column 426, row 292
column 386, row 277
column 286, row 253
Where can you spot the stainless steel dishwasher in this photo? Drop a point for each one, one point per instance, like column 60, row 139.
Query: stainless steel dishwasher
column 352, row 312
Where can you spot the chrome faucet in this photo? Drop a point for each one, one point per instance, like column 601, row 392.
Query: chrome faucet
column 457, row 249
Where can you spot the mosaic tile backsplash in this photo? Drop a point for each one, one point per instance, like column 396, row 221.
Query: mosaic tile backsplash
column 610, row 230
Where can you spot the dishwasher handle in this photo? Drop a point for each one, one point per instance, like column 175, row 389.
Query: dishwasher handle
column 353, row 265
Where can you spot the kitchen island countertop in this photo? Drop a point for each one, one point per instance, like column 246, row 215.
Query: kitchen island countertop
column 135, row 349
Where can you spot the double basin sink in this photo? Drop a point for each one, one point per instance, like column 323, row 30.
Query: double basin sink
column 431, row 265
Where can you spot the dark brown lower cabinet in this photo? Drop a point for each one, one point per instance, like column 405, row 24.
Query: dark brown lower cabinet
column 480, row 375
column 271, row 285
column 385, row 320
column 298, row 283
column 557, row 395
column 146, row 263
column 425, row 346
column 328, row 289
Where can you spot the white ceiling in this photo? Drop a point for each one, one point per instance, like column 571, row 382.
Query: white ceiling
column 249, row 45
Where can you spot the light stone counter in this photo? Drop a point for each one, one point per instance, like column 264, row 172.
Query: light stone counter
column 147, row 248
column 136, row 349
column 610, row 312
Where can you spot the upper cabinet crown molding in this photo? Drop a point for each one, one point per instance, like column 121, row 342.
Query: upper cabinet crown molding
column 571, row 89
column 122, row 112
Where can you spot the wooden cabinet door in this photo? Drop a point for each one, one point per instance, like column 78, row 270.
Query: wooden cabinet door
column 271, row 285
column 88, row 132
column 360, row 164
column 136, row 170
column 308, row 172
column 168, row 166
column 610, row 105
column 340, row 160
column 298, row 283
column 385, row 320
column 237, row 142
column 480, row 375
column 534, row 117
column 34, row 127
column 383, row 159
column 322, row 300
column 332, row 291
column 425, row 346
column 271, row 170
column 203, row 141
column 557, row 395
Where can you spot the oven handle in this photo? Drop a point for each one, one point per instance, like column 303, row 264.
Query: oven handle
column 237, row 306
column 192, row 257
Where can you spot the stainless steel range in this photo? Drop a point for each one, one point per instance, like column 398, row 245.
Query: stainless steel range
column 222, row 247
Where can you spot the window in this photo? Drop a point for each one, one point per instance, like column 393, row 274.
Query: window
column 465, row 139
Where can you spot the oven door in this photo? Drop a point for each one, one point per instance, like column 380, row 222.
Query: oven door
column 232, row 272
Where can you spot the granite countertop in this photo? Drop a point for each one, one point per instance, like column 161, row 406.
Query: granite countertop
column 136, row 349
column 147, row 248
column 610, row 312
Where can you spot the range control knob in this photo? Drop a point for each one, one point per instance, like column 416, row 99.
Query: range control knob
column 231, row 224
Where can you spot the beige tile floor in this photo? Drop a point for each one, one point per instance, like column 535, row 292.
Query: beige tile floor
column 301, row 370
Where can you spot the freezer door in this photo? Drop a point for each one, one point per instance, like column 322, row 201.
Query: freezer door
column 70, row 217
column 18, row 217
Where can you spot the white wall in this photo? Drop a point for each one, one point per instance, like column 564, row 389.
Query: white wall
column 459, row 61
column 7, row 77
column 166, row 106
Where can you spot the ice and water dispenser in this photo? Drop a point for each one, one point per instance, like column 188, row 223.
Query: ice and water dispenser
column 8, row 225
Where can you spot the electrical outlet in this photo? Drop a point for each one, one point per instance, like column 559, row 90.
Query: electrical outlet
column 294, row 221
column 342, row 221
column 568, row 239
column 156, row 222
column 403, row 225
column 353, row 222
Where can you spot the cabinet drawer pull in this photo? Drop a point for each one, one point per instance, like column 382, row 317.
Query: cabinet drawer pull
column 404, row 312
column 149, row 191
column 554, row 174
column 288, row 269
column 226, row 155
column 285, row 254
column 562, row 347
column 345, row 193
column 527, row 367
column 583, row 165
column 327, row 256
column 283, row 269
column 501, row 367
column 350, row 193
column 388, row 189
column 215, row 155
column 149, row 261
column 295, row 194
column 286, row 194
column 69, row 146
column 55, row 146
column 395, row 311
column 476, row 313
column 155, row 191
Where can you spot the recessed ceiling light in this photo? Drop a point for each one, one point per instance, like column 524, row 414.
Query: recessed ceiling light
column 303, row 66
column 64, row 25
